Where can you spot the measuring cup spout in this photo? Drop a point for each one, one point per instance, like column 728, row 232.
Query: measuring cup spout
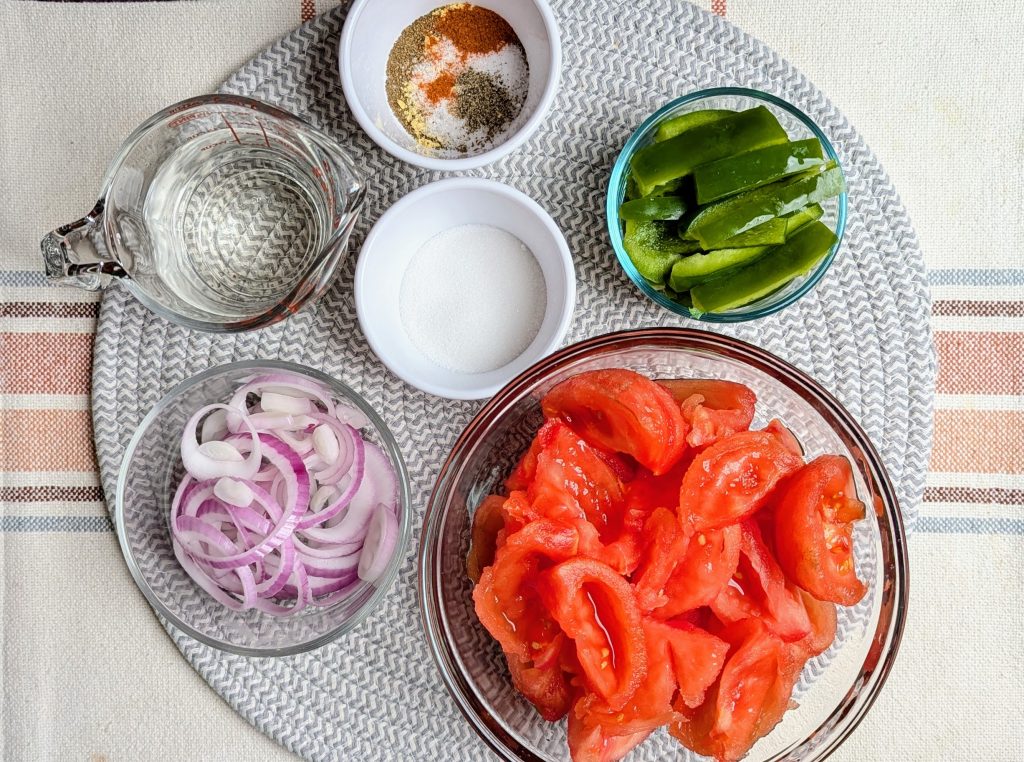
column 76, row 254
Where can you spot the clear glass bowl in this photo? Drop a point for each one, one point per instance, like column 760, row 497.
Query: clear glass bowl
column 835, row 690
column 150, row 472
column 797, row 124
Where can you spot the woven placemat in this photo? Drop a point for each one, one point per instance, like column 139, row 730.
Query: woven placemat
column 863, row 332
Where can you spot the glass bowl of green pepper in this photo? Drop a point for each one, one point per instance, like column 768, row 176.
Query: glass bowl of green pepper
column 726, row 205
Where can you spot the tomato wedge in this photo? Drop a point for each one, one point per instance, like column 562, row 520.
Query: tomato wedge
column 487, row 523
column 546, row 687
column 750, row 698
column 786, row 436
column 758, row 590
column 733, row 478
column 592, row 743
column 694, row 656
column 814, row 515
column 506, row 600
column 572, row 481
column 622, row 411
column 823, row 619
column 706, row 567
column 596, row 608
column 663, row 546
column 714, row 408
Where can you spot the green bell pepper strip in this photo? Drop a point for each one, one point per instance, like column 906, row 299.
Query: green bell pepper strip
column 796, row 220
column 767, row 274
column 680, row 124
column 699, row 268
column 725, row 219
column 653, row 248
column 653, row 208
column 746, row 171
column 676, row 157
column 775, row 231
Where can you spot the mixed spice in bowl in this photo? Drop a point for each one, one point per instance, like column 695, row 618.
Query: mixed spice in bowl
column 663, row 542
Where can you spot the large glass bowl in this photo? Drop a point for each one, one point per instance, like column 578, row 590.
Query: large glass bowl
column 150, row 472
column 835, row 690
column 797, row 124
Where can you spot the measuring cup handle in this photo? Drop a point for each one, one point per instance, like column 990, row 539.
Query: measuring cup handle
column 76, row 254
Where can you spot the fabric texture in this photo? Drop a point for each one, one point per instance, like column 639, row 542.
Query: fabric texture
column 933, row 88
column 863, row 332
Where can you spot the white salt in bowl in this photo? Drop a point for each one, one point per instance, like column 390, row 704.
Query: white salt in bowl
column 370, row 30
column 403, row 230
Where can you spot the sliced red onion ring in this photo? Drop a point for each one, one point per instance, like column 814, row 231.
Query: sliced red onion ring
column 279, row 494
column 379, row 546
column 202, row 466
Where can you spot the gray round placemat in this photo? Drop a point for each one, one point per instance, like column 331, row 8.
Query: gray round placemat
column 863, row 332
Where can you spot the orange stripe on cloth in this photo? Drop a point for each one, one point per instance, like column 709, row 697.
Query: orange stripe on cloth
column 718, row 7
column 979, row 441
column 45, row 363
column 46, row 440
column 307, row 10
column 973, row 362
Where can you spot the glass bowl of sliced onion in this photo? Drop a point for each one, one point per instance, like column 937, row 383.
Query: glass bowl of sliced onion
column 263, row 508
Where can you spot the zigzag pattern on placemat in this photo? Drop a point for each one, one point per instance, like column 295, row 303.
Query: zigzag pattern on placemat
column 863, row 332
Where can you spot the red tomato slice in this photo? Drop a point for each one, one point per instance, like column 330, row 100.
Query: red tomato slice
column 526, row 468
column 517, row 512
column 822, row 616
column 750, row 698
column 545, row 687
column 596, row 608
column 714, row 409
column 814, row 514
column 694, row 656
column 786, row 436
column 592, row 743
column 622, row 411
column 663, row 546
column 706, row 567
column 573, row 481
column 622, row 554
column 758, row 590
column 506, row 600
column 733, row 478
column 487, row 522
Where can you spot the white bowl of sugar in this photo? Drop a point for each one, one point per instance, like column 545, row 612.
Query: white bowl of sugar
column 463, row 284
column 424, row 78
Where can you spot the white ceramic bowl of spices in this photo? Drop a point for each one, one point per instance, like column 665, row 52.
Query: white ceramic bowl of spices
column 449, row 86
column 463, row 284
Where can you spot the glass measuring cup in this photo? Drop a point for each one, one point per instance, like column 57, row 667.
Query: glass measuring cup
column 220, row 213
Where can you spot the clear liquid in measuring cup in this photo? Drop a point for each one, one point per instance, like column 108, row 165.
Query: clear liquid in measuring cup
column 234, row 226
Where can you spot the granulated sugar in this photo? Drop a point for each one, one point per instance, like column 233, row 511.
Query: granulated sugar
column 473, row 298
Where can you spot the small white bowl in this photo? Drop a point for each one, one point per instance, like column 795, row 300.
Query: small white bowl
column 416, row 218
column 370, row 30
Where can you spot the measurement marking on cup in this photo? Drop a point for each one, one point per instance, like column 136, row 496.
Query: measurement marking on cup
column 264, row 131
column 233, row 133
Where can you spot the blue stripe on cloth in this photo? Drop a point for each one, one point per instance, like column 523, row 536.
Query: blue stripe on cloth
column 56, row 524
column 22, row 279
column 976, row 277
column 965, row 525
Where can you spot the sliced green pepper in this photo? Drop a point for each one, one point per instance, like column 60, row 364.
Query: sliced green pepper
column 676, row 157
column 679, row 124
column 653, row 208
column 735, row 174
column 774, row 231
column 770, row 233
column 725, row 219
column 796, row 220
column 698, row 268
column 770, row 273
column 653, row 248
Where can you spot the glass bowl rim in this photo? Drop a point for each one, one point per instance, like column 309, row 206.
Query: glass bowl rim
column 752, row 311
column 390, row 446
column 851, row 710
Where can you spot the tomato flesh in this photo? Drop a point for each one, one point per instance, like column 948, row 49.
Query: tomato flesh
column 546, row 687
column 733, row 478
column 596, row 608
column 622, row 411
column 664, row 544
column 487, row 523
column 713, row 408
column 814, row 515
column 706, row 567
